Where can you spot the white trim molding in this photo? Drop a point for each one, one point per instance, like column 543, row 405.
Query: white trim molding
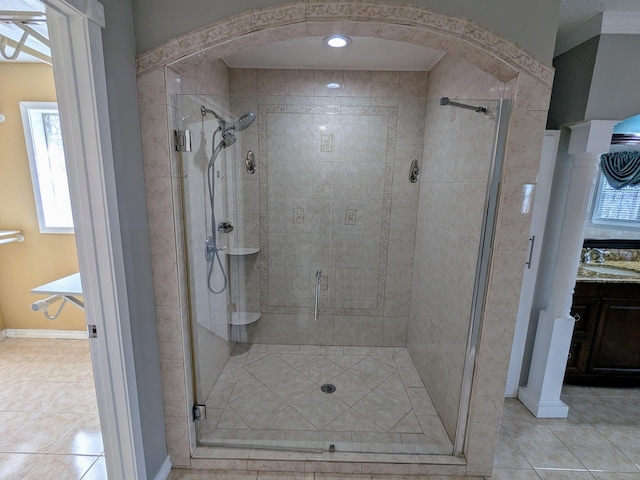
column 606, row 23
column 165, row 470
column 38, row 333
column 555, row 324
column 81, row 89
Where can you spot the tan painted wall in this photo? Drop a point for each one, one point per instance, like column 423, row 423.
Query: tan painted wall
column 41, row 258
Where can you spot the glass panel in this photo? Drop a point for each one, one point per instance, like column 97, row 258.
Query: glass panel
column 321, row 184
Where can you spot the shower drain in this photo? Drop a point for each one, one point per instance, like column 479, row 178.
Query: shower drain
column 328, row 388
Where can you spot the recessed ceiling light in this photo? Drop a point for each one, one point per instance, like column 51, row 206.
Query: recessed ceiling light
column 333, row 85
column 337, row 41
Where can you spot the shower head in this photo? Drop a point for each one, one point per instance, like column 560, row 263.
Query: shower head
column 243, row 122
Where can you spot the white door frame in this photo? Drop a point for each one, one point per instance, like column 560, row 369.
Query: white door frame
column 78, row 64
column 538, row 222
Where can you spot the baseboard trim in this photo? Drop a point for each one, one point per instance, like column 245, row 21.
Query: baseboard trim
column 36, row 333
column 165, row 470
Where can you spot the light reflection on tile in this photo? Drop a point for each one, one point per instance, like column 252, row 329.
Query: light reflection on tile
column 48, row 411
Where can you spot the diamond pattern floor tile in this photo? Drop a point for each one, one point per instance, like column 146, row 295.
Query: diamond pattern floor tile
column 272, row 393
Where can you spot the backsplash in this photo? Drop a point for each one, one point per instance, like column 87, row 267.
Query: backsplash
column 617, row 254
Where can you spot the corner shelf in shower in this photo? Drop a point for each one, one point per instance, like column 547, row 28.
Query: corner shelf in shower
column 240, row 251
column 244, row 318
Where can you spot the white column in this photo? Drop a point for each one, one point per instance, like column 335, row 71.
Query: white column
column 555, row 326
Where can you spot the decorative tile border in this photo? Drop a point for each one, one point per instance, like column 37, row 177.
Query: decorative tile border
column 266, row 109
column 243, row 30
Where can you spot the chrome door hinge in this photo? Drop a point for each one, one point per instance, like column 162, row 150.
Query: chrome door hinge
column 199, row 412
column 93, row 331
column 183, row 140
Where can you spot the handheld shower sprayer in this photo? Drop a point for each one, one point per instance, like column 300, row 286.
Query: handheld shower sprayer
column 227, row 130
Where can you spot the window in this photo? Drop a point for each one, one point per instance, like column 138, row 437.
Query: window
column 43, row 136
column 620, row 208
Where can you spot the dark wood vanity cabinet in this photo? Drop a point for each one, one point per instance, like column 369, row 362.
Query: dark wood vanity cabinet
column 605, row 347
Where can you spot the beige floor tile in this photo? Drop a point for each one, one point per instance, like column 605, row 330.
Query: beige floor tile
column 16, row 465
column 433, row 429
column 13, row 422
column 77, row 398
column 257, row 406
column 542, row 448
column 598, row 411
column 616, row 476
column 350, row 389
column 268, row 368
column 564, row 475
column 292, row 386
column 245, row 384
column 285, row 476
column 594, row 450
column 508, row 455
column 627, row 441
column 372, row 371
column 320, row 371
column 394, row 387
column 42, row 433
column 410, row 377
column 514, row 474
column 421, row 402
column 69, row 467
column 31, row 396
column 98, row 471
column 84, row 439
column 352, row 421
column 515, row 413
column 319, row 408
column 382, row 409
column 409, row 424
column 287, row 419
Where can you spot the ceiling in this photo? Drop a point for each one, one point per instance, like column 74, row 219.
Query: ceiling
column 365, row 53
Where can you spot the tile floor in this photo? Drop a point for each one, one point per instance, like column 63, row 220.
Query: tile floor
column 270, row 395
column 49, row 425
column 600, row 439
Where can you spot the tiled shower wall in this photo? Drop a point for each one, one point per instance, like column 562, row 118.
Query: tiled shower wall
column 159, row 114
column 334, row 196
column 458, row 156
column 530, row 88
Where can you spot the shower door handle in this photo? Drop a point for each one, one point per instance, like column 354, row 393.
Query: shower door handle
column 318, row 276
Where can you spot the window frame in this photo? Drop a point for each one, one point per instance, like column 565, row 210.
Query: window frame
column 26, row 109
column 608, row 222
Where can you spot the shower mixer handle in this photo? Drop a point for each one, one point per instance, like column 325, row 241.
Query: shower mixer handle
column 225, row 227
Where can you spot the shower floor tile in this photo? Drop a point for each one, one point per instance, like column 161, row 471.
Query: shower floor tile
column 269, row 395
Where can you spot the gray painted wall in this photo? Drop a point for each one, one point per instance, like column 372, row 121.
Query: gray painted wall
column 614, row 91
column 572, row 84
column 532, row 25
column 119, row 51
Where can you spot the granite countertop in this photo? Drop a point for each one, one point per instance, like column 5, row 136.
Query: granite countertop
column 585, row 275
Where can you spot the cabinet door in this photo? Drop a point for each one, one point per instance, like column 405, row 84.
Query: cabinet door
column 584, row 309
column 615, row 348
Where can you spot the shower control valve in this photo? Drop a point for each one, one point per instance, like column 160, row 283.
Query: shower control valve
column 211, row 248
column 225, row 227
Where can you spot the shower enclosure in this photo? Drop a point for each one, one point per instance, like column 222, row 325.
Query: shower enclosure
column 354, row 293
